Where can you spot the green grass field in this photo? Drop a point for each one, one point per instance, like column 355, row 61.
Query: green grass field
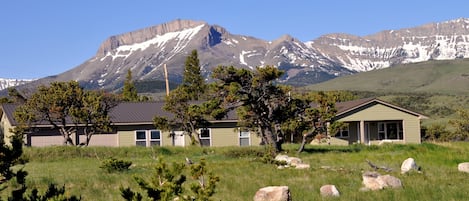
column 242, row 174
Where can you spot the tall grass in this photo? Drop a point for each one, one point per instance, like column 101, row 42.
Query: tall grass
column 242, row 174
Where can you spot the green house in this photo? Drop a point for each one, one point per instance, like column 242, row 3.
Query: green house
column 373, row 121
column 369, row 121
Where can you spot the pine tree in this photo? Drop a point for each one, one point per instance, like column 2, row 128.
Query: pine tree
column 129, row 92
column 193, row 83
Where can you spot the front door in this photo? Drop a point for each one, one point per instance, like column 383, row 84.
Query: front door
column 178, row 138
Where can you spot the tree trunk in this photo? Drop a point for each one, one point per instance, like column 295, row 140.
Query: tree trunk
column 303, row 143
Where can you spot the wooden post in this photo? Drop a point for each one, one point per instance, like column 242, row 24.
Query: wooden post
column 166, row 79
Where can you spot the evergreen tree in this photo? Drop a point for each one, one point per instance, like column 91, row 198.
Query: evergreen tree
column 129, row 92
column 193, row 83
column 189, row 115
column 261, row 105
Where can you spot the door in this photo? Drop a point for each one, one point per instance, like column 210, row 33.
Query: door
column 178, row 138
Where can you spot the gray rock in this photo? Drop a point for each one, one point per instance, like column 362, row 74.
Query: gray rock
column 273, row 193
column 463, row 167
column 375, row 181
column 329, row 190
column 408, row 165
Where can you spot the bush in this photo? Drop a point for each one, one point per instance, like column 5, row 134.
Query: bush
column 115, row 165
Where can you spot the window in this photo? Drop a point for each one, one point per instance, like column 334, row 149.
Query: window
column 343, row 132
column 146, row 138
column 244, row 138
column 205, row 137
column 390, row 131
column 141, row 138
column 155, row 138
column 381, row 131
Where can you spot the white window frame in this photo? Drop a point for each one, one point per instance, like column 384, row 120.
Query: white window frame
column 148, row 138
column 137, row 140
column 246, row 136
column 206, row 138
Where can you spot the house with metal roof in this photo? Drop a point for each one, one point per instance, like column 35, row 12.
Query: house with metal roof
column 373, row 121
column 133, row 126
column 369, row 121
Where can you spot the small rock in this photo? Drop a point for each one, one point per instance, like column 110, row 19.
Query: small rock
column 375, row 181
column 302, row 166
column 408, row 165
column 294, row 161
column 463, row 167
column 273, row 193
column 389, row 181
column 281, row 157
column 329, row 190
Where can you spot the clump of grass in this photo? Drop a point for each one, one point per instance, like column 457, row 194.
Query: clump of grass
column 115, row 165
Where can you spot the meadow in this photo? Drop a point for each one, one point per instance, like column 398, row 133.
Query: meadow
column 242, row 173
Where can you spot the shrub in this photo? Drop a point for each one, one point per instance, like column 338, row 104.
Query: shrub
column 115, row 165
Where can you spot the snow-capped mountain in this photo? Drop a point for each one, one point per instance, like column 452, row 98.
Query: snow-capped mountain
column 435, row 41
column 146, row 51
column 6, row 83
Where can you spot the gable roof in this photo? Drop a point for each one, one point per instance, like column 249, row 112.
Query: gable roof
column 343, row 108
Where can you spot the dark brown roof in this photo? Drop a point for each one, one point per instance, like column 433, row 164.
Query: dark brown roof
column 126, row 113
column 9, row 110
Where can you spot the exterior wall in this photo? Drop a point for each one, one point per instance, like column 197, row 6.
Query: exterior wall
column 5, row 127
column 255, row 140
column 353, row 130
column 42, row 141
column 126, row 134
column 379, row 112
column 227, row 134
column 224, row 137
column 109, row 140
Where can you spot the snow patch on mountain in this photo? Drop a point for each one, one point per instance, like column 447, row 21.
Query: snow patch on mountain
column 6, row 83
column 182, row 37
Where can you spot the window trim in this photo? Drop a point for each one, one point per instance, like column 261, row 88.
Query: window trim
column 148, row 138
column 244, row 137
column 205, row 138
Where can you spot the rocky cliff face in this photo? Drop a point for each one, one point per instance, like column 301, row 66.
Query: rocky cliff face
column 145, row 51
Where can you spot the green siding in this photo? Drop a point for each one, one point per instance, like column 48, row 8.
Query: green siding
column 6, row 126
column 126, row 138
column 224, row 137
column 379, row 112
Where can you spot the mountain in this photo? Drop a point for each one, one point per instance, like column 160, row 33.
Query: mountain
column 146, row 51
column 435, row 77
column 6, row 83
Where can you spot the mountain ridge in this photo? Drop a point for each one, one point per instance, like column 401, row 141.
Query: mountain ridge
column 146, row 50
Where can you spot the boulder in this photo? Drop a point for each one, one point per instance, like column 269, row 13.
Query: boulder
column 291, row 162
column 294, row 161
column 329, row 190
column 273, row 193
column 388, row 181
column 408, row 165
column 370, row 180
column 463, row 167
column 375, row 181
column 302, row 166
column 281, row 157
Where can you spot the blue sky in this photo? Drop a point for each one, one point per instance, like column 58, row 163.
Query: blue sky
column 48, row 37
